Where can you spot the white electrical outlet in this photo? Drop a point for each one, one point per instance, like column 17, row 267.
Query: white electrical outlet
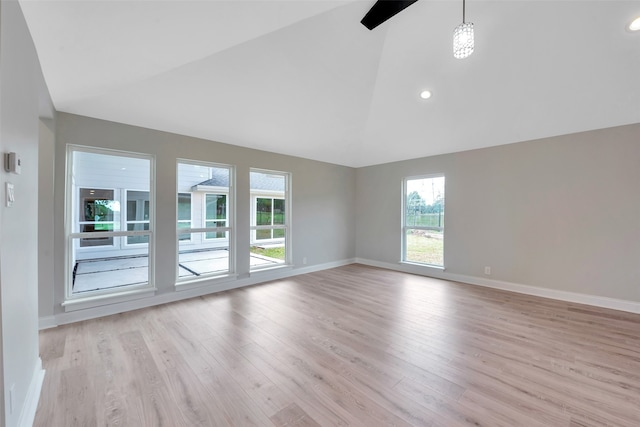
column 304, row 260
column 487, row 271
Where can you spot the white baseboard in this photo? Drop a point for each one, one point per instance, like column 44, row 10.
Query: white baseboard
column 47, row 322
column 28, row 413
column 594, row 300
column 188, row 292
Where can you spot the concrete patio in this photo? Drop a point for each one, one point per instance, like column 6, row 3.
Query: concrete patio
column 107, row 273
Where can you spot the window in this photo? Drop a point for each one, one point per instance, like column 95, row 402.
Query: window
column 109, row 208
column 204, row 226
column 423, row 220
column 270, row 219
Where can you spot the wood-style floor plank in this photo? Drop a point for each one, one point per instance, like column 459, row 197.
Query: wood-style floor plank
column 354, row 345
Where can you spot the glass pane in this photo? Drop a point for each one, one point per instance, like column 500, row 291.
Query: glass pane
column 184, row 224
column 131, row 210
column 95, row 271
column 278, row 211
column 97, row 205
column 267, row 256
column 425, row 246
column 263, row 234
column 216, row 206
column 101, row 263
column 216, row 234
column 137, row 227
column 96, row 241
column 271, row 182
column 263, row 211
column 137, row 205
column 193, row 177
column 211, row 224
column 425, row 202
column 184, row 206
column 269, row 193
column 195, row 261
column 98, row 226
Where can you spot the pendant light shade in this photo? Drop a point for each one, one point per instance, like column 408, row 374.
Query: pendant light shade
column 463, row 41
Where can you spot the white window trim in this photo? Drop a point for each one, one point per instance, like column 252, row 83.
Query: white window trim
column 104, row 296
column 404, row 227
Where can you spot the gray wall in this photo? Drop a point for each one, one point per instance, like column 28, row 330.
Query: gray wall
column 46, row 201
column 23, row 100
column 560, row 213
column 322, row 195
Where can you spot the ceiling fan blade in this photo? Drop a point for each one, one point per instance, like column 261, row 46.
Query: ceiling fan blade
column 383, row 10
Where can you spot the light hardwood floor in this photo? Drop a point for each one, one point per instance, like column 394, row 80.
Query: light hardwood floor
column 349, row 346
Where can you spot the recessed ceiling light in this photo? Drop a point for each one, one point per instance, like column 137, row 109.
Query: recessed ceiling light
column 425, row 94
column 635, row 25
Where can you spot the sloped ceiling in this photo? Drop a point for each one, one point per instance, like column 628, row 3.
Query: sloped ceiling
column 305, row 78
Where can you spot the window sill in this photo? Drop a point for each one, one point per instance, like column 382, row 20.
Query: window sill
column 91, row 301
column 418, row 264
column 204, row 281
column 270, row 269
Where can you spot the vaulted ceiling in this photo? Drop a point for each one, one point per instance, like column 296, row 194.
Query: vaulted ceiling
column 305, row 78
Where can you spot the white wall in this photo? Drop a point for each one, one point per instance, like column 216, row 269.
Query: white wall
column 558, row 213
column 23, row 95
column 323, row 208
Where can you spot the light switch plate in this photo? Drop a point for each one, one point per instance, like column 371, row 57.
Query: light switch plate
column 10, row 194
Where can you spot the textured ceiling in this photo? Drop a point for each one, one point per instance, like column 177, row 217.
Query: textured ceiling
column 305, row 78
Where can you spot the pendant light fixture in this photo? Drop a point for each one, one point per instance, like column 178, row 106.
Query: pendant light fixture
column 463, row 38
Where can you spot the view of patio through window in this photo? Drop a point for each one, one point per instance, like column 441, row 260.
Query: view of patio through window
column 110, row 206
column 269, row 218
column 423, row 222
column 204, row 230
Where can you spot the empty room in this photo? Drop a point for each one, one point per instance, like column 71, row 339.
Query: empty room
column 320, row 213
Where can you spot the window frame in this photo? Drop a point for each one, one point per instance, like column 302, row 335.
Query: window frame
column 229, row 229
column 405, row 227
column 287, row 196
column 99, row 297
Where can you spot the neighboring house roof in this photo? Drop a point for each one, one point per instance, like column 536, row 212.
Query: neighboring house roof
column 264, row 181
column 220, row 178
column 259, row 181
